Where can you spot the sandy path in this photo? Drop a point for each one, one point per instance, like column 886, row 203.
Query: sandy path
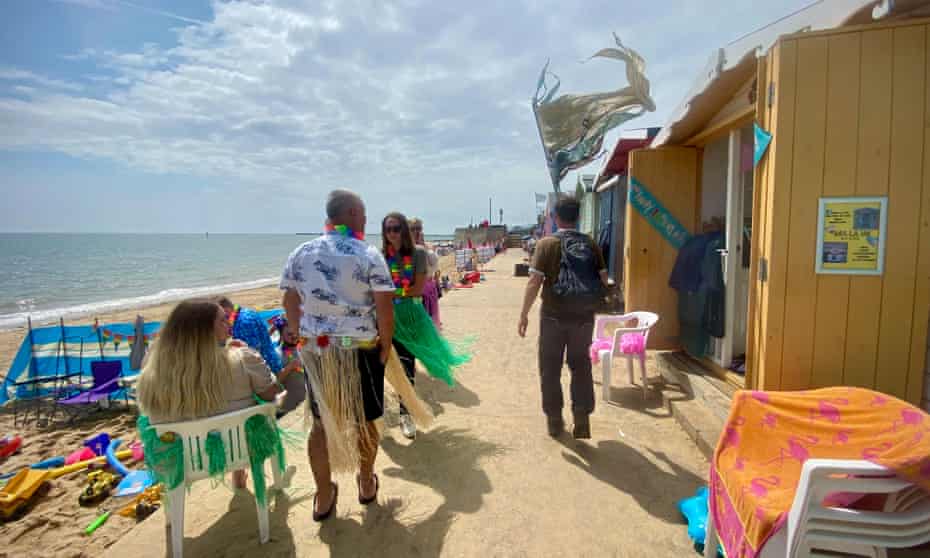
column 486, row 480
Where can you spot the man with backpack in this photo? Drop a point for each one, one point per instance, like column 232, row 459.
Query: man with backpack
column 570, row 269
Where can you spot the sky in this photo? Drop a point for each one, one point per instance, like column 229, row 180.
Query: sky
column 240, row 116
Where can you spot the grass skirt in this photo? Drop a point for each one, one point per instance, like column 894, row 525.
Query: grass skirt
column 415, row 330
column 335, row 383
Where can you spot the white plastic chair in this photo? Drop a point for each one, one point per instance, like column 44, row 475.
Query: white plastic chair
column 644, row 322
column 815, row 529
column 193, row 434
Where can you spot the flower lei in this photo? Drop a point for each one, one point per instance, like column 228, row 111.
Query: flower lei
column 344, row 231
column 401, row 272
column 290, row 353
column 232, row 317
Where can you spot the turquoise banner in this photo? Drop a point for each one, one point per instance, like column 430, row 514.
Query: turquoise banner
column 761, row 143
column 653, row 211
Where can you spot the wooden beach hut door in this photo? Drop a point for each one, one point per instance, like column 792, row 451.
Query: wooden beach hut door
column 670, row 174
column 848, row 113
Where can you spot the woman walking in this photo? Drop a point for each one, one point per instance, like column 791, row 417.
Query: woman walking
column 431, row 293
column 415, row 335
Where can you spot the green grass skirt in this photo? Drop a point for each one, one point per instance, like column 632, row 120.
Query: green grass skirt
column 415, row 330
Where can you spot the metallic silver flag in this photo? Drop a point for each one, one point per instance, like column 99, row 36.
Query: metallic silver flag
column 572, row 127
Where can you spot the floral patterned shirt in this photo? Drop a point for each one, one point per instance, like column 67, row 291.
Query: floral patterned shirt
column 336, row 277
column 251, row 328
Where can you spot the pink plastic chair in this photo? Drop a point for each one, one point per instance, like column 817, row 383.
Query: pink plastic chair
column 606, row 347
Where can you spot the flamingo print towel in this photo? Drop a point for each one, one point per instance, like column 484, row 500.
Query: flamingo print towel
column 769, row 435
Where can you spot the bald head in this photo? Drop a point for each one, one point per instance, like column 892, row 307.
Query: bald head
column 345, row 207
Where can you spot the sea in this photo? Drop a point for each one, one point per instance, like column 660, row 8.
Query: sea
column 47, row 276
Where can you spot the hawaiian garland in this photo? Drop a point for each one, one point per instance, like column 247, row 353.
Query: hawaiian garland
column 232, row 318
column 344, row 231
column 401, row 281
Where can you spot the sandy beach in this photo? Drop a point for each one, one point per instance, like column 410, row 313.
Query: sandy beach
column 485, row 480
column 735, row 195
column 54, row 523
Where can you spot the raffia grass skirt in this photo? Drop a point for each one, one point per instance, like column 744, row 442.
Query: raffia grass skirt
column 335, row 383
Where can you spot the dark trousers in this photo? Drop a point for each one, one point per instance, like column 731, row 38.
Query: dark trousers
column 562, row 339
column 410, row 366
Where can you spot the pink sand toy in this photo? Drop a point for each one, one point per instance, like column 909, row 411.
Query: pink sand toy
column 82, row 454
column 138, row 454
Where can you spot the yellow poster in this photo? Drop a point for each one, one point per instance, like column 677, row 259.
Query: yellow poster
column 851, row 235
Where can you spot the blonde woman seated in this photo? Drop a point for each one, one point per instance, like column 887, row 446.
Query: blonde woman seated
column 194, row 371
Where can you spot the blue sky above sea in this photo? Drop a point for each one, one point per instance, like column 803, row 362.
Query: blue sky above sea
column 192, row 116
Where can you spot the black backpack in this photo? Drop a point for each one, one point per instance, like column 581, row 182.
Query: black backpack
column 579, row 282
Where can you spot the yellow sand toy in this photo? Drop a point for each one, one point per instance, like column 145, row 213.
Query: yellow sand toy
column 99, row 485
column 144, row 504
column 20, row 490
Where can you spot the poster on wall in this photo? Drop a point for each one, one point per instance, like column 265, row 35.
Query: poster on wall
column 851, row 235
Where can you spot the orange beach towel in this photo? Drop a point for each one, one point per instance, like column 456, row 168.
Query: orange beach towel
column 769, row 435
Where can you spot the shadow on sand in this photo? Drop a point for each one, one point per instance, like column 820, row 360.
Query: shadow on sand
column 655, row 488
column 437, row 394
column 238, row 529
column 653, row 404
column 452, row 469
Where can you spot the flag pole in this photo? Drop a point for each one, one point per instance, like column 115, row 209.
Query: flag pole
column 555, row 182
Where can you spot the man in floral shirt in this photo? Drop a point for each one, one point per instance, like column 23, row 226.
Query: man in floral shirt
column 338, row 296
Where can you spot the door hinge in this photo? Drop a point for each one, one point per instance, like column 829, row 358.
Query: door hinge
column 771, row 94
column 763, row 270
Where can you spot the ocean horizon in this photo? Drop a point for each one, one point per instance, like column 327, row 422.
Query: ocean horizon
column 45, row 276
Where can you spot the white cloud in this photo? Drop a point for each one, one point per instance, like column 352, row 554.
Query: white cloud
column 18, row 75
column 251, row 95
column 404, row 94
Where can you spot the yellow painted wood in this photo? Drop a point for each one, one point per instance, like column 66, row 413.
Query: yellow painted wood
column 752, row 321
column 904, row 190
column 806, row 186
column 921, row 309
column 839, row 176
column 873, row 158
column 722, row 127
column 851, row 117
column 860, row 28
column 782, row 151
column 670, row 174
column 762, row 227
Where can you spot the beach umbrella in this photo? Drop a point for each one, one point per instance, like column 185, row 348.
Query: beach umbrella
column 138, row 348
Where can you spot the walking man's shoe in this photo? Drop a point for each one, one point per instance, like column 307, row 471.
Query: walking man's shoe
column 556, row 426
column 582, row 428
column 407, row 427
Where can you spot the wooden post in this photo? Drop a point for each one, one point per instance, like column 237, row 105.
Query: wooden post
column 64, row 346
column 99, row 337
column 33, row 365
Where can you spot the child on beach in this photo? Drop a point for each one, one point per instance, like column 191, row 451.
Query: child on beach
column 292, row 373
